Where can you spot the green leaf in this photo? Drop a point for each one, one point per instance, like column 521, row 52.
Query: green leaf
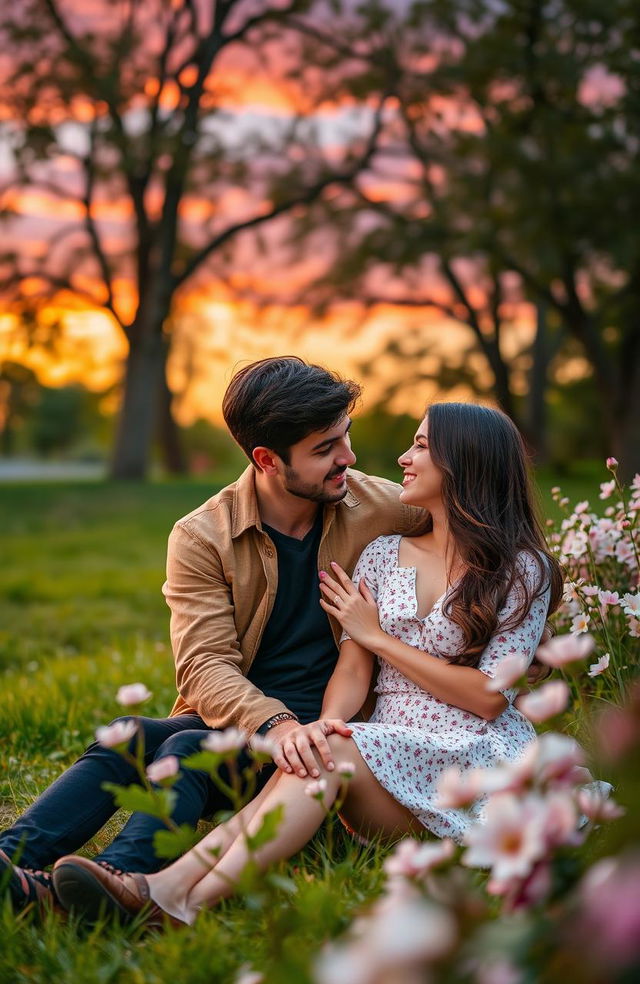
column 155, row 802
column 206, row 761
column 174, row 843
column 267, row 830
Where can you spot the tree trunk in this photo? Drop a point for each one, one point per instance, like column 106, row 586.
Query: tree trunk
column 168, row 431
column 536, row 403
column 625, row 438
column 139, row 412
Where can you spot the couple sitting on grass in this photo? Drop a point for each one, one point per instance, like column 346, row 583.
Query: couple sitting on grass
column 453, row 575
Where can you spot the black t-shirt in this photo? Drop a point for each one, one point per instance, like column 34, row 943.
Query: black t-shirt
column 297, row 653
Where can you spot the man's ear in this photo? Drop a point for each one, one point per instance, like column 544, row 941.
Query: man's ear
column 265, row 459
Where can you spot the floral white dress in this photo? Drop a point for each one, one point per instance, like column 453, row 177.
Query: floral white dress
column 413, row 737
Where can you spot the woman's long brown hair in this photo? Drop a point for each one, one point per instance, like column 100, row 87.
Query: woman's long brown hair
column 489, row 504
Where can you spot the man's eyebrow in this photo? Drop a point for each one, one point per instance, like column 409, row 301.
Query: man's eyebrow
column 331, row 440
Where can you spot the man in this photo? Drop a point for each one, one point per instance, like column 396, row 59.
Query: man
column 252, row 646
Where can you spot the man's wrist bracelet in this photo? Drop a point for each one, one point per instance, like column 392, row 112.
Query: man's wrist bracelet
column 275, row 720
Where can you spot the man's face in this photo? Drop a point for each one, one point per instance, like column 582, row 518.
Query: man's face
column 318, row 464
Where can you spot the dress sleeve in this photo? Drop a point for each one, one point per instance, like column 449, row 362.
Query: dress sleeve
column 525, row 638
column 370, row 566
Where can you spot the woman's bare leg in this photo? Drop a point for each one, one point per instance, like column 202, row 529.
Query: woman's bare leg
column 171, row 886
column 367, row 803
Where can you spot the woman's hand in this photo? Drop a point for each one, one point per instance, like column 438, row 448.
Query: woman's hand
column 295, row 743
column 355, row 608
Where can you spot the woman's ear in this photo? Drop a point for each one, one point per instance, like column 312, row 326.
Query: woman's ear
column 265, row 460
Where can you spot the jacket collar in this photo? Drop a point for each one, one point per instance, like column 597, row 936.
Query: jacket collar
column 245, row 503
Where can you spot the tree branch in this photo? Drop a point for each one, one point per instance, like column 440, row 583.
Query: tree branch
column 309, row 195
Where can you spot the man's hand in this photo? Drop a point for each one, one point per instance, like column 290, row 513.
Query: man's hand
column 295, row 744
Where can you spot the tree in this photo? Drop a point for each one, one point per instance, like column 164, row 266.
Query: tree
column 120, row 109
column 511, row 164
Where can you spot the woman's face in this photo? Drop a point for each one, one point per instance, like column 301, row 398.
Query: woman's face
column 422, row 480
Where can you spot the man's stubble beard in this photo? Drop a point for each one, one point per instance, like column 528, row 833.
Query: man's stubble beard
column 312, row 493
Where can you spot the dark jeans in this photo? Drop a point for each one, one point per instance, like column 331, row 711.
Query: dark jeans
column 74, row 808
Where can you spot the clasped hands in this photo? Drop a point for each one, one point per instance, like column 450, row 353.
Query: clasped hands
column 301, row 747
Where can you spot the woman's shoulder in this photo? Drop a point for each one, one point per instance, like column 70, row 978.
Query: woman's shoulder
column 382, row 550
column 533, row 567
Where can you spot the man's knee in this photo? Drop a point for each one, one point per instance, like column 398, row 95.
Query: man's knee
column 181, row 744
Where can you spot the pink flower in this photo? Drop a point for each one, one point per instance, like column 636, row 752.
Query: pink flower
column 224, row 742
column 262, row 745
column 580, row 623
column 565, row 649
column 133, row 694
column 631, row 604
column 457, row 788
column 510, row 840
column 634, row 628
column 618, row 731
column 597, row 805
column 163, row 769
column 612, row 464
column 609, row 920
column 412, row 858
column 509, row 670
column 560, row 819
column 550, row 699
column 597, row 668
column 117, row 734
column 581, row 507
column 607, row 489
column 346, row 770
column 316, row 789
column 608, row 598
column 246, row 975
column 554, row 758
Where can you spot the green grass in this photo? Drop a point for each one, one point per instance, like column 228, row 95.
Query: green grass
column 81, row 612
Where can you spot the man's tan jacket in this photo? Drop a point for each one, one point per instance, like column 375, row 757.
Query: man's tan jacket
column 222, row 576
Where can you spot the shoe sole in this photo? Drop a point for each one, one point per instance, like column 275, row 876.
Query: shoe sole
column 81, row 893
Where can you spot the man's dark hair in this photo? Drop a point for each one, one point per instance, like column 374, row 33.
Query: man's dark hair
column 275, row 403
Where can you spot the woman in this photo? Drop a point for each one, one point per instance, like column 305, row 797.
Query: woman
column 438, row 611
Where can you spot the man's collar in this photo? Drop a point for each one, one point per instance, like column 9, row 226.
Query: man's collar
column 245, row 512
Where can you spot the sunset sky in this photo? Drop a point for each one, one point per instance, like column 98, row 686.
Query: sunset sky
column 216, row 320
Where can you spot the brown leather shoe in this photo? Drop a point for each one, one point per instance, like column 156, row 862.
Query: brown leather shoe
column 27, row 887
column 93, row 892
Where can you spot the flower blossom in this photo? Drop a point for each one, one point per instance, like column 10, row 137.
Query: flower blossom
column 597, row 805
column 608, row 598
column 565, row 649
column 223, row 742
column 510, row 839
column 634, row 628
column 508, row 671
column 400, row 933
column 132, row 694
column 554, row 758
column 117, row 734
column 457, row 788
column 607, row 489
column 316, row 789
column 550, row 699
column 612, row 464
column 412, row 858
column 608, row 923
column 346, row 770
column 597, row 668
column 263, row 745
column 631, row 604
column 163, row 769
column 580, row 623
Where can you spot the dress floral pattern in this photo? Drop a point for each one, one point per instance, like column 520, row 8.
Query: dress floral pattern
column 413, row 737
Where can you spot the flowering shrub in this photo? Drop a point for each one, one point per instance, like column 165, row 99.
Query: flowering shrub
column 600, row 556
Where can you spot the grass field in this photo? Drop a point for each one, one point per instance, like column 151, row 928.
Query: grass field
column 81, row 612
